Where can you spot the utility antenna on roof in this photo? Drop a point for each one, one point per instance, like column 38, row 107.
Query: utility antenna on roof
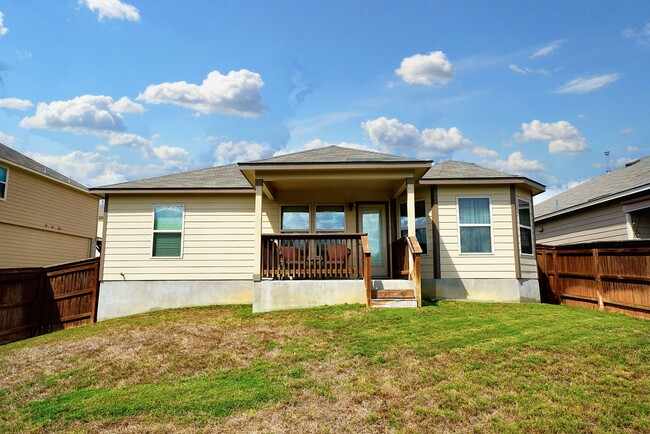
column 607, row 162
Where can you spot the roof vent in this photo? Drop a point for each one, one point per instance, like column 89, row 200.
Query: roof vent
column 630, row 163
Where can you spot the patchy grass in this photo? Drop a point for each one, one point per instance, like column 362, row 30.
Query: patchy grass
column 445, row 367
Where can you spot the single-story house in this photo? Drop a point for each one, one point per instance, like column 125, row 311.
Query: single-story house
column 46, row 218
column 611, row 207
column 325, row 226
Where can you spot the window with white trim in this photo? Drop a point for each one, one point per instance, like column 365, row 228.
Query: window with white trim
column 420, row 223
column 330, row 218
column 167, row 231
column 4, row 174
column 525, row 227
column 294, row 218
column 474, row 225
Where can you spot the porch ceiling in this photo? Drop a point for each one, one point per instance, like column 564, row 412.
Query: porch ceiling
column 336, row 190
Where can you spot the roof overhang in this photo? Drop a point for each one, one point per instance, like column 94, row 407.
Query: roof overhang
column 536, row 187
column 594, row 202
column 105, row 191
column 348, row 169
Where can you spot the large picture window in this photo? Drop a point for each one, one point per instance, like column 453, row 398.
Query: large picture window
column 295, row 218
column 525, row 227
column 4, row 173
column 167, row 231
column 420, row 223
column 330, row 218
column 475, row 225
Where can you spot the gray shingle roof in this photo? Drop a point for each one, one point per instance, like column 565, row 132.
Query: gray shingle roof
column 335, row 154
column 460, row 170
column 19, row 159
column 610, row 184
column 222, row 177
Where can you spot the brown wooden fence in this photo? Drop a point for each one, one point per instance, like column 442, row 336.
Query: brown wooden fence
column 611, row 276
column 35, row 301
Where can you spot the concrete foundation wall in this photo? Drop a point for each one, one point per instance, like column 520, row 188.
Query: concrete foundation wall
column 119, row 298
column 497, row 290
column 289, row 294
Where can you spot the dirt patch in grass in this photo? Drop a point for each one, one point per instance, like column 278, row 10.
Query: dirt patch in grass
column 452, row 367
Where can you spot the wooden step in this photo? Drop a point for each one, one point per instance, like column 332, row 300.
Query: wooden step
column 392, row 293
column 394, row 302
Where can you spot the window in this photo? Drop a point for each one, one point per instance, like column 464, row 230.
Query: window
column 167, row 231
column 474, row 225
column 330, row 218
column 525, row 227
column 4, row 172
column 295, row 218
column 420, row 223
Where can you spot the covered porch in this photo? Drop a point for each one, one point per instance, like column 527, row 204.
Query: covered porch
column 334, row 224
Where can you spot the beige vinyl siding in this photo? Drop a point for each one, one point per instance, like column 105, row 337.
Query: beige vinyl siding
column 36, row 202
column 218, row 238
column 426, row 260
column 29, row 247
column 527, row 263
column 602, row 223
column 498, row 264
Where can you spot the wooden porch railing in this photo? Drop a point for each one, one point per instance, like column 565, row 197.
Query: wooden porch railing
column 406, row 263
column 313, row 256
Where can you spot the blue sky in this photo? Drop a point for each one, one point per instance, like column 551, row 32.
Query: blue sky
column 109, row 90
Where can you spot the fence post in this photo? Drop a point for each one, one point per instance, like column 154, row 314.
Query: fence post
column 599, row 283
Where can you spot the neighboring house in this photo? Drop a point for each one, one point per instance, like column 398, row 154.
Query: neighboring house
column 45, row 217
column 611, row 207
column 287, row 232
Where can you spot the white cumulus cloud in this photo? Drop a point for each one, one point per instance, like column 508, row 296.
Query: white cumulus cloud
column 426, row 69
column 125, row 105
column 390, row 135
column 15, row 103
column 517, row 163
column 6, row 139
column 86, row 114
column 547, row 49
column 588, row 84
column 3, row 29
column 236, row 93
column 484, row 152
column 112, row 9
column 231, row 152
column 556, row 189
column 562, row 137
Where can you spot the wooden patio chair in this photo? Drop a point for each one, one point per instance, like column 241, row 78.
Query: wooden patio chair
column 291, row 259
column 337, row 259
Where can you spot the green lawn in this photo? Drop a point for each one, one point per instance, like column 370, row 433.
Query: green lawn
column 445, row 367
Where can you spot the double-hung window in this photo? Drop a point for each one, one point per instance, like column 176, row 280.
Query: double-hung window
column 420, row 223
column 167, row 231
column 330, row 218
column 525, row 227
column 4, row 174
column 294, row 218
column 475, row 225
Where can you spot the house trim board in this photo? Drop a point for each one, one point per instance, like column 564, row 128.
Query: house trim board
column 515, row 230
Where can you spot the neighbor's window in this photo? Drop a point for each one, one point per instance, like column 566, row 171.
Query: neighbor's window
column 330, row 218
column 420, row 223
column 3, row 182
column 167, row 231
column 295, row 218
column 525, row 227
column 474, row 225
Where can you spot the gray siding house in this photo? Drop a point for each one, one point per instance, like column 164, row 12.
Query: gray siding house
column 611, row 207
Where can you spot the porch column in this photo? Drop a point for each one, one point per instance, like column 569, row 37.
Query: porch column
column 257, row 258
column 410, row 213
column 410, row 206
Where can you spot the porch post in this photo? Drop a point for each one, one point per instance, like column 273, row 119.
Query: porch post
column 410, row 206
column 410, row 213
column 259, row 192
